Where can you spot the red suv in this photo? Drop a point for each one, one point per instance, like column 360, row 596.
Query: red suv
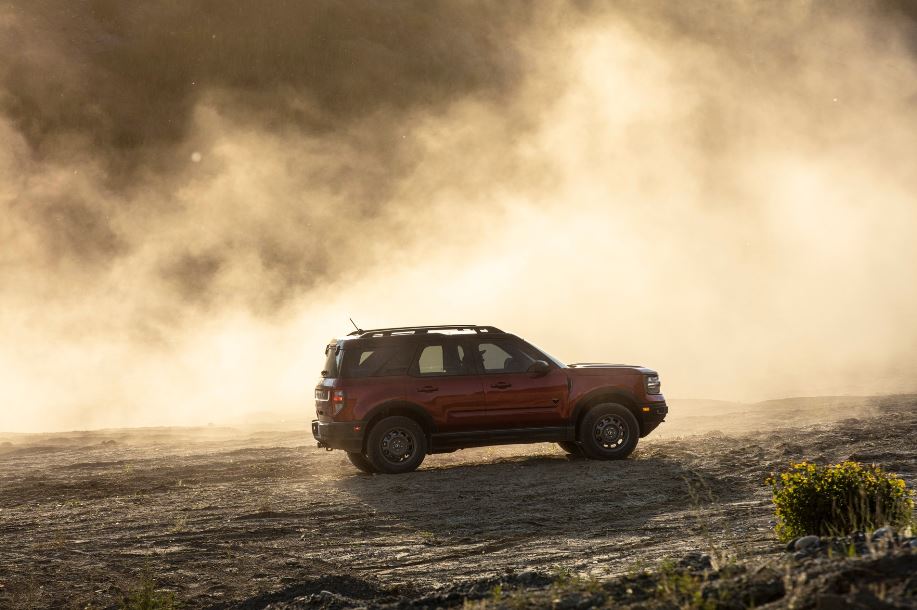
column 390, row 396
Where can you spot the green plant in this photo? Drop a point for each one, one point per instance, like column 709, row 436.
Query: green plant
column 637, row 568
column 680, row 588
column 146, row 597
column 561, row 575
column 838, row 499
column 497, row 593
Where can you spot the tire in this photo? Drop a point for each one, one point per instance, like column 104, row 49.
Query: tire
column 395, row 445
column 608, row 431
column 571, row 448
column 359, row 460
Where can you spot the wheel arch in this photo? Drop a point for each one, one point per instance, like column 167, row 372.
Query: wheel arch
column 403, row 408
column 608, row 394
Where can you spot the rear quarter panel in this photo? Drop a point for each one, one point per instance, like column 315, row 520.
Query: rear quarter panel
column 362, row 395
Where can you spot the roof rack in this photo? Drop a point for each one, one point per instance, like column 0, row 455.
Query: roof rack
column 422, row 330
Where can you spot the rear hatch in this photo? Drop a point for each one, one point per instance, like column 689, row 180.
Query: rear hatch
column 334, row 354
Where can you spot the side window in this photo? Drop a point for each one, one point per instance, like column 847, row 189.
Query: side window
column 504, row 357
column 431, row 361
column 378, row 360
column 441, row 359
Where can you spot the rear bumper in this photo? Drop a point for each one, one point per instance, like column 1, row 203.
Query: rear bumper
column 650, row 420
column 339, row 435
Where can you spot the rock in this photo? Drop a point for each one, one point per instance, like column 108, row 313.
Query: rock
column 912, row 543
column 883, row 533
column 791, row 545
column 696, row 561
column 859, row 600
column 569, row 602
column 529, row 578
column 806, row 543
column 322, row 598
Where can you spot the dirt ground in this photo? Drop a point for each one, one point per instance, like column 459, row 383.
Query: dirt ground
column 243, row 518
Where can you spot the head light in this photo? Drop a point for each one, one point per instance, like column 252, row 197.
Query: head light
column 653, row 385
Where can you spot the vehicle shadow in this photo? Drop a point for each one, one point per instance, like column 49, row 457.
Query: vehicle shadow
column 527, row 495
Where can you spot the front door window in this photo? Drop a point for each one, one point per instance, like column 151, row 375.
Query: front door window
column 504, row 357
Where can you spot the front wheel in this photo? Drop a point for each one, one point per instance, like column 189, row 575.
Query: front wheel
column 396, row 444
column 359, row 460
column 608, row 431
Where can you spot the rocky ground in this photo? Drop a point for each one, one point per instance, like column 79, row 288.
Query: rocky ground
column 233, row 518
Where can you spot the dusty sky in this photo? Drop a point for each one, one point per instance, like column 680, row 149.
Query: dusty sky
column 194, row 197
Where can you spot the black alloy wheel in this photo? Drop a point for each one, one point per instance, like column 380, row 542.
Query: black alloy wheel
column 608, row 431
column 396, row 444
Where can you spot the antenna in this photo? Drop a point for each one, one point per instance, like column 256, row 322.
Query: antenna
column 359, row 330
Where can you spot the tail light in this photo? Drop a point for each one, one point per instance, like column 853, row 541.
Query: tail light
column 337, row 399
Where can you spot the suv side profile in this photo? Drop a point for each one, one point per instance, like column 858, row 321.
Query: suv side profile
column 390, row 396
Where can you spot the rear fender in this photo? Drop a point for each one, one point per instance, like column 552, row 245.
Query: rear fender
column 400, row 407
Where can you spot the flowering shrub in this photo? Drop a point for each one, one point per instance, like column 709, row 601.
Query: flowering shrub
column 838, row 500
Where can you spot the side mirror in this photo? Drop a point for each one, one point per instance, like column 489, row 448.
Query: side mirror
column 539, row 368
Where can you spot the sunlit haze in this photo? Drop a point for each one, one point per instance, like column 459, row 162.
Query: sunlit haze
column 194, row 201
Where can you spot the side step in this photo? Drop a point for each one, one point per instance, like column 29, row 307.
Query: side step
column 448, row 441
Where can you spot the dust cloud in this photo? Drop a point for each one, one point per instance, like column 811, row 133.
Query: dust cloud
column 194, row 198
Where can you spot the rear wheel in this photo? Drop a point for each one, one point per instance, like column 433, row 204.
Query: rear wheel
column 608, row 431
column 571, row 448
column 396, row 444
column 359, row 460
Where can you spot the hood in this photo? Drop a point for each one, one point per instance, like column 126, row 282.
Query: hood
column 598, row 368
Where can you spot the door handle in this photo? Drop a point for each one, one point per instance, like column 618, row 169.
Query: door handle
column 428, row 388
column 501, row 385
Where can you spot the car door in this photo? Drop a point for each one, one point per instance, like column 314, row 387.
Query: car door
column 516, row 399
column 444, row 381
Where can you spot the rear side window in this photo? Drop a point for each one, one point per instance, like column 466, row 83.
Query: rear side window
column 332, row 361
column 378, row 360
column 441, row 359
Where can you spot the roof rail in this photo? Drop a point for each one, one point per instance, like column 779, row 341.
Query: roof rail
column 421, row 330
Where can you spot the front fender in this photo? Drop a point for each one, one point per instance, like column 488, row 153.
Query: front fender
column 605, row 393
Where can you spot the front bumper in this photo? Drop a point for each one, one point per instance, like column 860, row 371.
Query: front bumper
column 650, row 420
column 339, row 435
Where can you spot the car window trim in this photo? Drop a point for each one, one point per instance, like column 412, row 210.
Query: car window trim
column 513, row 341
column 371, row 345
column 414, row 368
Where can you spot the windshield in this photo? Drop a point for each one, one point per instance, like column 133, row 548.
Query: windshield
column 549, row 356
